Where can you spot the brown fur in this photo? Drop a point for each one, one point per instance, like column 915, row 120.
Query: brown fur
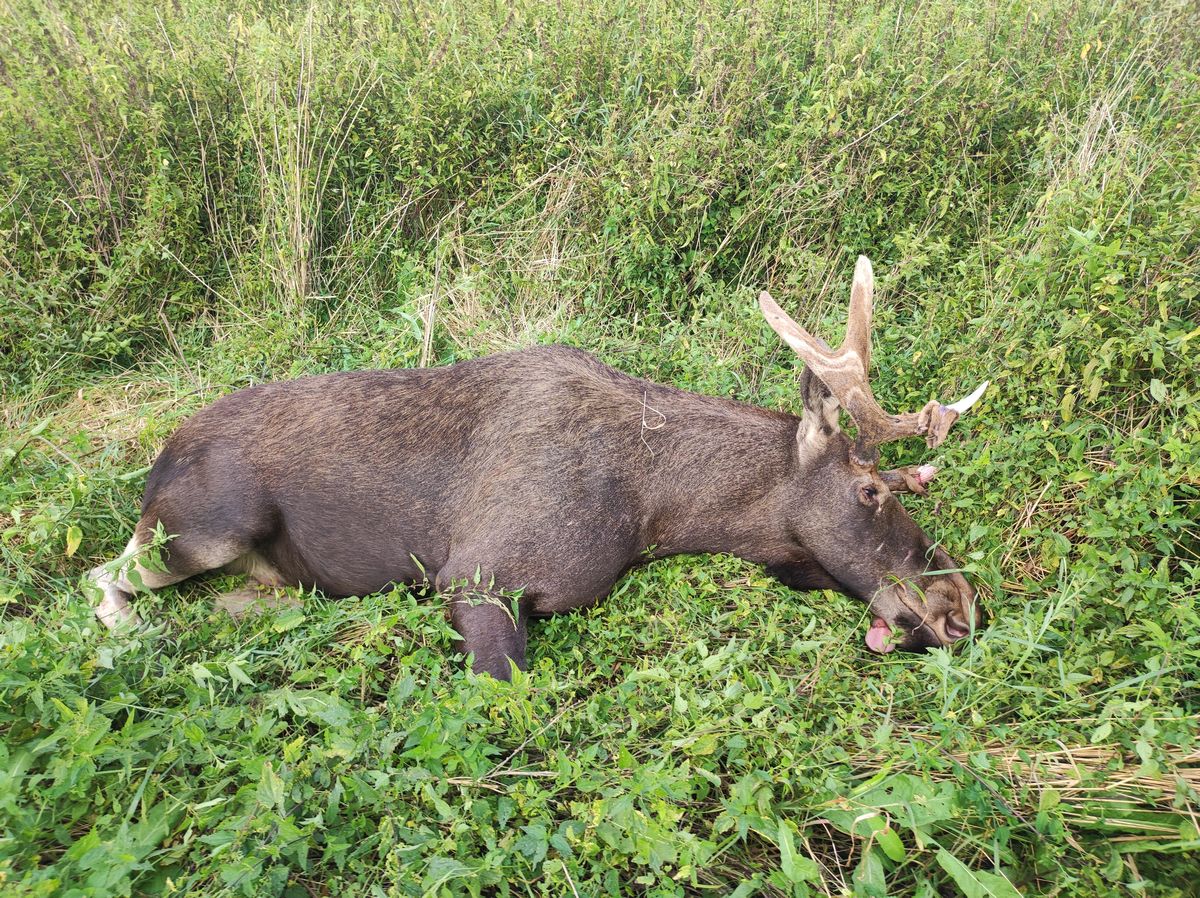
column 543, row 472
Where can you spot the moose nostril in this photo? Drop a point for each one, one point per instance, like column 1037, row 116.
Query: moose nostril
column 955, row 628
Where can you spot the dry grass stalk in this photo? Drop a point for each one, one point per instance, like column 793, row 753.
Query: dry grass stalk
column 1098, row 786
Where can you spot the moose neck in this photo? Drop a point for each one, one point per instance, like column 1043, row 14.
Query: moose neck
column 721, row 479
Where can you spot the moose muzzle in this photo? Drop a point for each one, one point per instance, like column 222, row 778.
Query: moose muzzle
column 927, row 612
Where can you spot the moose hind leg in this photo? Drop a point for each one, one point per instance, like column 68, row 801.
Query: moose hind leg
column 253, row 599
column 115, row 592
column 118, row 587
column 261, row 591
column 184, row 556
column 490, row 631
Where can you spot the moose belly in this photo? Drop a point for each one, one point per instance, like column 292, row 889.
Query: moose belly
column 355, row 556
column 546, row 605
column 571, row 588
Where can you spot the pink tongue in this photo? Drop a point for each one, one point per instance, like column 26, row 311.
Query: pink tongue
column 879, row 637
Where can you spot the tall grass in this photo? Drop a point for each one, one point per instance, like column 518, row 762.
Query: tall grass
column 196, row 196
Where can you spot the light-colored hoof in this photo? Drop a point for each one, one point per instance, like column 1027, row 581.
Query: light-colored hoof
column 253, row 600
column 114, row 611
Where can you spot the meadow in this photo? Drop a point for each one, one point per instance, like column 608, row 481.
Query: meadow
column 203, row 194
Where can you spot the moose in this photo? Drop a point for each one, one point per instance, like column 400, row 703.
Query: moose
column 527, row 483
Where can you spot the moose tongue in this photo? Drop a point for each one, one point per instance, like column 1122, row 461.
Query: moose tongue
column 879, row 636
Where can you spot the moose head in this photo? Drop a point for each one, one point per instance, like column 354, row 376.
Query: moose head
column 910, row 583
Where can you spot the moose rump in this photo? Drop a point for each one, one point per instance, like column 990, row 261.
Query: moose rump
column 308, row 482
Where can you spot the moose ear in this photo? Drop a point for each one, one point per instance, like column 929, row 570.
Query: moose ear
column 821, row 410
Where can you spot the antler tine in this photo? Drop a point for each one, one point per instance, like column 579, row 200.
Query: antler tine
column 804, row 343
column 846, row 373
column 843, row 371
column 858, row 327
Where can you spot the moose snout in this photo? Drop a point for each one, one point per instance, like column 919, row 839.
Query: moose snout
column 956, row 625
column 941, row 614
column 963, row 613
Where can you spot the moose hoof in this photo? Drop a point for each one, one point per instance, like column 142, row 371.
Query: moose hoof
column 115, row 611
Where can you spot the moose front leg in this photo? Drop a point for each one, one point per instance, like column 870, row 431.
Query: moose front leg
column 492, row 627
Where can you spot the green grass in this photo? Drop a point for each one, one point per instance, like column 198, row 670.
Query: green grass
column 196, row 195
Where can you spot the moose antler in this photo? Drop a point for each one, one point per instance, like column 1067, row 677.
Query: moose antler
column 912, row 479
column 846, row 372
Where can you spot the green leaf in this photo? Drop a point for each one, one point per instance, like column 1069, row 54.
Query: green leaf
column 890, row 842
column 74, row 538
column 796, row 867
column 270, row 788
column 443, row 869
column 288, row 620
column 237, row 674
column 976, row 883
column 534, row 843
column 1158, row 390
column 869, row 878
column 329, row 709
column 747, row 888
